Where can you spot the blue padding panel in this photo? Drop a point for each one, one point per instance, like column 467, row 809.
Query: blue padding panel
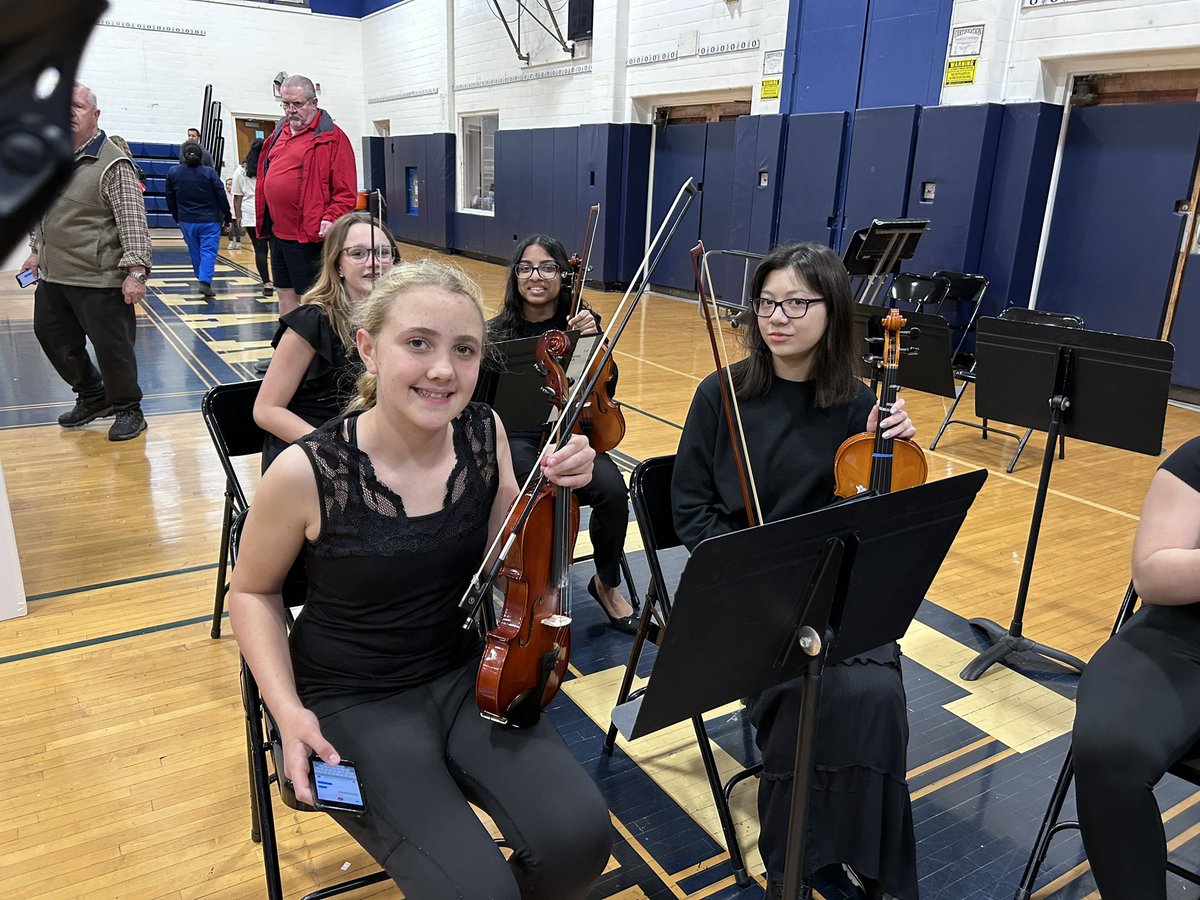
column 635, row 178
column 1185, row 329
column 514, row 181
column 437, row 186
column 374, row 168
column 905, row 52
column 352, row 9
column 956, row 151
column 720, row 217
column 829, row 46
column 809, row 189
column 1114, row 232
column 1020, row 183
column 597, row 180
column 759, row 149
column 679, row 155
column 564, row 218
column 880, row 165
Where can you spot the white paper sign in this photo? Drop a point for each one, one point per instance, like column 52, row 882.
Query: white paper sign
column 966, row 40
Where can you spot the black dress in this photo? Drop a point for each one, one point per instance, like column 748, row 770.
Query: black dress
column 861, row 813
column 329, row 383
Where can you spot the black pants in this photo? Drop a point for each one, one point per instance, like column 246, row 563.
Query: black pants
column 66, row 317
column 296, row 265
column 606, row 494
column 1137, row 712
column 424, row 752
column 261, row 249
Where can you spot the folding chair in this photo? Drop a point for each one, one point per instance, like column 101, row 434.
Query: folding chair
column 1011, row 314
column 1187, row 768
column 918, row 293
column 228, row 411
column 964, row 298
column 650, row 491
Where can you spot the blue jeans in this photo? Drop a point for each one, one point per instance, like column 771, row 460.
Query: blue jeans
column 203, row 239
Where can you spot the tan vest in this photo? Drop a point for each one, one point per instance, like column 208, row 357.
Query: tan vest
column 78, row 240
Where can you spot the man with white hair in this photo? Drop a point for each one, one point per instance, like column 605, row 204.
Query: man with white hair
column 306, row 181
column 91, row 251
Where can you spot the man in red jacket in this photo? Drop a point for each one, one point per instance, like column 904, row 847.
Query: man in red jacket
column 306, row 181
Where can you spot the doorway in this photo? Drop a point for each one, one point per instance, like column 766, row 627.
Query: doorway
column 247, row 129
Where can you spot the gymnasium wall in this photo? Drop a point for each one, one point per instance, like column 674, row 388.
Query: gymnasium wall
column 149, row 60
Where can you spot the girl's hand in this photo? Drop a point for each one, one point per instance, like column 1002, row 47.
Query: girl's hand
column 300, row 733
column 896, row 425
column 584, row 322
column 572, row 465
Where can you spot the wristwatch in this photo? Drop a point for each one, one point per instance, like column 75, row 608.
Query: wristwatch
column 140, row 276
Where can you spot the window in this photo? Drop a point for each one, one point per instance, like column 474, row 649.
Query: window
column 479, row 162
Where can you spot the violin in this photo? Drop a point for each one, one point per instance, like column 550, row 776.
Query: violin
column 602, row 422
column 869, row 461
column 525, row 656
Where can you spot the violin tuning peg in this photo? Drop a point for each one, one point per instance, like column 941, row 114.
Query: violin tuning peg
column 914, row 332
column 547, row 390
column 540, row 368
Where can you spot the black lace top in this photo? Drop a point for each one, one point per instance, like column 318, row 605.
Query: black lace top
column 382, row 609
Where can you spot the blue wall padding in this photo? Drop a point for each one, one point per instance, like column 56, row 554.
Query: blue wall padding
column 432, row 156
column 679, row 155
column 633, row 170
column 720, row 212
column 881, row 154
column 565, row 216
column 1185, row 329
column 374, row 157
column 1114, row 232
column 956, row 151
column 823, row 56
column 758, row 148
column 1025, row 154
column 905, row 52
column 809, row 190
column 353, row 9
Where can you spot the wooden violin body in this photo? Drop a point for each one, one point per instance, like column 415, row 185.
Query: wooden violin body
column 525, row 656
column 602, row 421
column 868, row 461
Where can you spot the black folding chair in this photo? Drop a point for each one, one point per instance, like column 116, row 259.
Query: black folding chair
column 1012, row 314
column 228, row 411
column 918, row 293
column 960, row 307
column 650, row 491
column 1187, row 768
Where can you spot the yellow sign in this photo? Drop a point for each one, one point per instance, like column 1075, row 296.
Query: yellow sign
column 770, row 89
column 961, row 71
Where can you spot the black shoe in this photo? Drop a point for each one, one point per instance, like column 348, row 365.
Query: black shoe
column 130, row 423
column 262, row 365
column 268, row 291
column 627, row 624
column 82, row 413
column 206, row 289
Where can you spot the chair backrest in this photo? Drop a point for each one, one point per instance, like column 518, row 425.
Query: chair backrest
column 965, row 294
column 921, row 292
column 1041, row 317
column 650, row 495
column 228, row 411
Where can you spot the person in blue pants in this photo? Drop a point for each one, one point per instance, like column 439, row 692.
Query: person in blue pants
column 197, row 200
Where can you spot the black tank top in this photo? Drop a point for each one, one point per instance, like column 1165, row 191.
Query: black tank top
column 382, row 610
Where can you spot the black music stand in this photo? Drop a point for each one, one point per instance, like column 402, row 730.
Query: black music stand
column 804, row 591
column 1105, row 388
column 511, row 385
column 925, row 367
column 875, row 253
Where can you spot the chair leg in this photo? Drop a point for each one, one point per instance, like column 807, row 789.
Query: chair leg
column 222, row 565
column 1049, row 828
column 1062, row 446
column 634, row 600
column 635, row 656
column 962, row 389
column 719, row 798
column 1020, row 446
column 261, row 786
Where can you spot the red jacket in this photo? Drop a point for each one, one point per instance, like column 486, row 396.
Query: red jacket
column 329, row 186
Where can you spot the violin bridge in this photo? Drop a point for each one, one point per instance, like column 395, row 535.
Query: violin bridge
column 556, row 621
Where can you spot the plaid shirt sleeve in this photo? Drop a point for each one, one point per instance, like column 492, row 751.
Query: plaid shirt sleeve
column 122, row 192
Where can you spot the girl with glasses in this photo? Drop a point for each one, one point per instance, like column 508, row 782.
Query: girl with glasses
column 799, row 399
column 534, row 303
column 312, row 374
column 391, row 508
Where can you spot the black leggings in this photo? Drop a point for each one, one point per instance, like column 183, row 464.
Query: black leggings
column 1137, row 713
column 606, row 494
column 261, row 251
column 423, row 753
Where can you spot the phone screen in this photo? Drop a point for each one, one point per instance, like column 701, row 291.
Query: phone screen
column 337, row 785
column 26, row 277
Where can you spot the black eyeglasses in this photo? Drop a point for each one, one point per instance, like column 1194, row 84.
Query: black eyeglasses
column 546, row 269
column 358, row 254
column 793, row 307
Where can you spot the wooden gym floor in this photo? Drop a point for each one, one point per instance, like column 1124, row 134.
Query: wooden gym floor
column 126, row 769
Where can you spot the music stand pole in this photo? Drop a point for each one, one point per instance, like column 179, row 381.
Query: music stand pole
column 1006, row 641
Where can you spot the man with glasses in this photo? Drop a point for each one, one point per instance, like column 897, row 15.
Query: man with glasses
column 307, row 180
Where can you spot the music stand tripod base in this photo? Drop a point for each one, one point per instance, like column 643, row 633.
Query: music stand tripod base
column 1005, row 643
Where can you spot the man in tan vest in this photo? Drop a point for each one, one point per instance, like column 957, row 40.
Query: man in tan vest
column 91, row 252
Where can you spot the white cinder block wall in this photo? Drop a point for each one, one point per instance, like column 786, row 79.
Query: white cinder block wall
column 150, row 84
column 1030, row 52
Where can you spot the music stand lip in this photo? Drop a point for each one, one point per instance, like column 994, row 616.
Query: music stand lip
column 895, row 544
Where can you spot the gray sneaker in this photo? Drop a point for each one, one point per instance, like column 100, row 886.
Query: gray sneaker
column 130, row 423
column 82, row 413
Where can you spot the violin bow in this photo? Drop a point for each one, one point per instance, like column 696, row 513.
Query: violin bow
column 560, row 430
column 729, row 401
column 589, row 241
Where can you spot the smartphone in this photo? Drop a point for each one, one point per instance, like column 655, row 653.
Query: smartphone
column 26, row 277
column 336, row 788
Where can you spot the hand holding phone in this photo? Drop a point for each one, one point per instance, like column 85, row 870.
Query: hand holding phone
column 336, row 788
column 26, row 277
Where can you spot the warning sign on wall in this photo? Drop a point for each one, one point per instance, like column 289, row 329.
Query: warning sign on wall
column 770, row 89
column 961, row 71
